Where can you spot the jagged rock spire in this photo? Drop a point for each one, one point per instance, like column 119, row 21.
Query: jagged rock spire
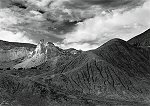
column 51, row 50
column 40, row 47
column 43, row 52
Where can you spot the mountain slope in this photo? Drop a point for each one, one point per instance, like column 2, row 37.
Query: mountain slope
column 16, row 91
column 37, row 57
column 141, row 40
column 47, row 56
column 10, row 45
column 124, row 56
column 117, row 74
column 12, row 53
column 114, row 70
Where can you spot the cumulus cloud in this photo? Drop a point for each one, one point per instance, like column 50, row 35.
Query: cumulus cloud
column 102, row 21
column 14, row 37
column 78, row 46
column 24, row 25
column 106, row 26
column 104, row 3
column 82, row 9
column 111, row 3
column 84, row 3
column 8, row 19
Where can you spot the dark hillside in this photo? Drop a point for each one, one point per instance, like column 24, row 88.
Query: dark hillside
column 114, row 70
column 141, row 40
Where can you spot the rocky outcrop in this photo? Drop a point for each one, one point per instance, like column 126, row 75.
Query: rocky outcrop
column 12, row 53
column 51, row 50
column 36, row 58
column 48, row 54
column 40, row 47
column 42, row 53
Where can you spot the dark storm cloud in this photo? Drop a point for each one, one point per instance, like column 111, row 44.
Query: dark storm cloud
column 83, row 4
column 99, row 21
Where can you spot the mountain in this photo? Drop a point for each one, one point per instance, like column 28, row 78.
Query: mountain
column 45, row 53
column 37, row 57
column 141, row 40
column 114, row 70
column 114, row 74
column 10, row 45
column 12, row 53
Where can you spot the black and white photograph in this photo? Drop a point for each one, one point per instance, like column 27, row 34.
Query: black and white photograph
column 74, row 52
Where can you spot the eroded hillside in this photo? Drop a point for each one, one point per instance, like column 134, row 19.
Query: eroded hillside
column 115, row 74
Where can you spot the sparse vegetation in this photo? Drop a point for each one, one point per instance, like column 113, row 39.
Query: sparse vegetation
column 115, row 74
column 20, row 68
column 8, row 69
column 34, row 68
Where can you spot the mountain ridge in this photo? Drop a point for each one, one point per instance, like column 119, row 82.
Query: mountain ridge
column 116, row 73
column 101, row 60
column 142, row 39
column 10, row 45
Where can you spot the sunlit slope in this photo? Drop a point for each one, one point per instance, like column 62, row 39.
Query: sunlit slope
column 12, row 53
column 36, row 60
column 46, row 55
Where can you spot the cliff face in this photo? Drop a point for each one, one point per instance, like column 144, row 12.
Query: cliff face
column 51, row 50
column 45, row 53
column 41, row 54
column 36, row 58
column 13, row 54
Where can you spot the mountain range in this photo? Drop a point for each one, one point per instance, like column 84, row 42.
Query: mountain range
column 115, row 74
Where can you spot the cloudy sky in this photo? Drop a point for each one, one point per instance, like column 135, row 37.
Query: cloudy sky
column 80, row 24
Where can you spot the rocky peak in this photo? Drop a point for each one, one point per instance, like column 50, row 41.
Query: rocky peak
column 40, row 47
column 51, row 50
column 50, row 44
column 48, row 48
